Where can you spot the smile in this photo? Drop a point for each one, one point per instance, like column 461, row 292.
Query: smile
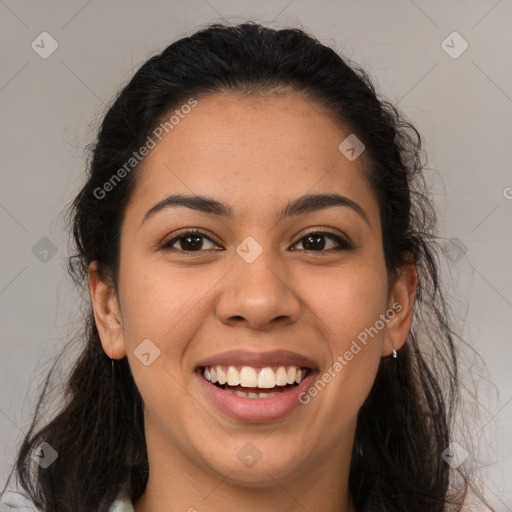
column 244, row 402
column 255, row 380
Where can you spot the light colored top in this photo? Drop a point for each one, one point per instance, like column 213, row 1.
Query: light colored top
column 122, row 503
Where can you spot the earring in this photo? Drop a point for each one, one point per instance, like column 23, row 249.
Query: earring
column 394, row 353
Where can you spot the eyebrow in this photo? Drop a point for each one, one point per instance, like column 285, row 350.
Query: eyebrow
column 300, row 206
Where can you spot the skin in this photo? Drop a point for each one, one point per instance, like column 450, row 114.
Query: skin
column 254, row 154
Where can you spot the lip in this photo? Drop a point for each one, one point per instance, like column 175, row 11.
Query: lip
column 258, row 359
column 256, row 410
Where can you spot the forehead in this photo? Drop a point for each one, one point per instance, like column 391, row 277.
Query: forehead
column 250, row 153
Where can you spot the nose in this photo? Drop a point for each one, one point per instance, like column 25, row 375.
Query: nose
column 258, row 295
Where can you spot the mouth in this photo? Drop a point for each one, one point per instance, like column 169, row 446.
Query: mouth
column 255, row 382
column 255, row 394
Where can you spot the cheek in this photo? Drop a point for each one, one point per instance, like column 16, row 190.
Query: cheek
column 166, row 307
column 347, row 299
column 348, row 303
column 162, row 303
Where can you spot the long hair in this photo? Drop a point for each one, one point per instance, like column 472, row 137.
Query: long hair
column 405, row 423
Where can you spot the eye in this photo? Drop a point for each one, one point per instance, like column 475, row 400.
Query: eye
column 192, row 240
column 189, row 241
column 315, row 241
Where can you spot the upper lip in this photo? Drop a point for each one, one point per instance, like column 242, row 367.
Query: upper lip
column 258, row 359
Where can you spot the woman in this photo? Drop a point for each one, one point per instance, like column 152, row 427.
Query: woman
column 266, row 329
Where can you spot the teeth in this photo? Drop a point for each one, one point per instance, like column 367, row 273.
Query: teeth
column 290, row 376
column 266, row 378
column 248, row 377
column 243, row 394
column 221, row 376
column 281, row 376
column 233, row 377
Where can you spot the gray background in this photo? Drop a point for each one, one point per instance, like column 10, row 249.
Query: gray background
column 461, row 106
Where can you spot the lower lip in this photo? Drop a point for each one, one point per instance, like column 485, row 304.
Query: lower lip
column 256, row 410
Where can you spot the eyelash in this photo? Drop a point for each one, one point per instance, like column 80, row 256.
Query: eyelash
column 344, row 244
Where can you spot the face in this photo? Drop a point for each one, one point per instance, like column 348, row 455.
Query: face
column 297, row 291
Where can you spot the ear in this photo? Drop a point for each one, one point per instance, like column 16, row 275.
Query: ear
column 106, row 313
column 400, row 308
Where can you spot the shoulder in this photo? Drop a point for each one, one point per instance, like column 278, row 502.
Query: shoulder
column 122, row 503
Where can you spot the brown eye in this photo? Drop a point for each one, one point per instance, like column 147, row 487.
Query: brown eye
column 315, row 241
column 194, row 241
column 189, row 241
